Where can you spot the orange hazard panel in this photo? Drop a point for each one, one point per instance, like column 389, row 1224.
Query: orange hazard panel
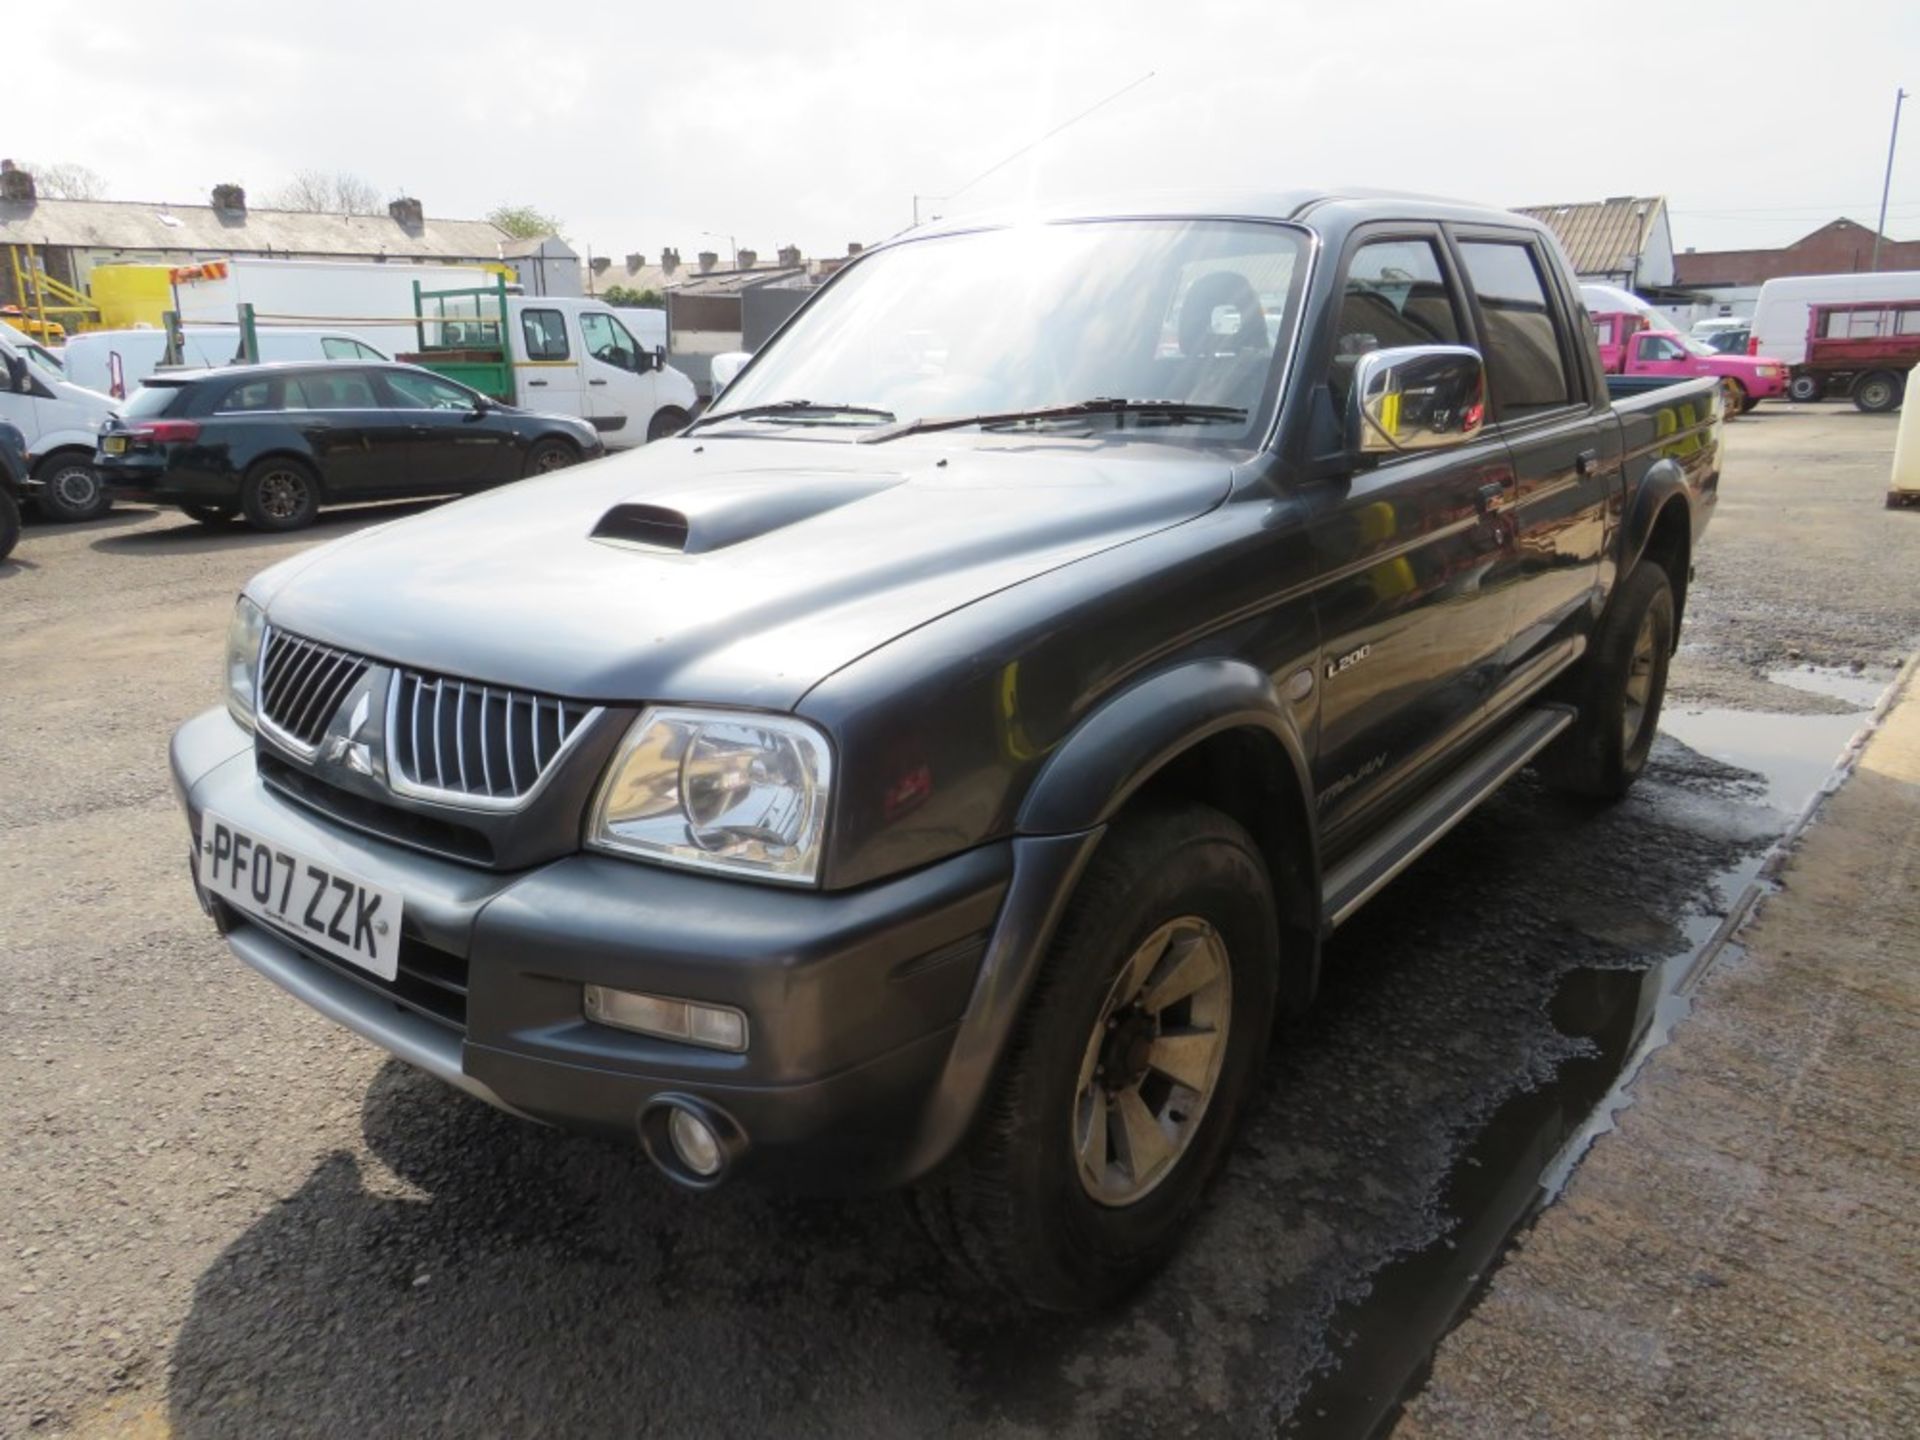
column 207, row 270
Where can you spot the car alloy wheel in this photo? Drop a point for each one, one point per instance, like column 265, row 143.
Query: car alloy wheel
column 1152, row 1062
column 1640, row 668
column 283, row 493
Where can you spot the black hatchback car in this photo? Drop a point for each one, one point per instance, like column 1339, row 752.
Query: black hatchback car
column 276, row 442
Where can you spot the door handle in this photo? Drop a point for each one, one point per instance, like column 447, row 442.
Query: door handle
column 596, row 382
column 536, row 384
column 1488, row 496
column 1586, row 462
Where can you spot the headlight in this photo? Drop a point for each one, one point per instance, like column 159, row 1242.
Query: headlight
column 244, row 633
column 719, row 790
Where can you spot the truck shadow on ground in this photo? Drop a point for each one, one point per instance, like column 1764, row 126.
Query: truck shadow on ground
column 470, row 1273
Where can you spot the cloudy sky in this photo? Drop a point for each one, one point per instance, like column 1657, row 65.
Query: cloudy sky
column 817, row 121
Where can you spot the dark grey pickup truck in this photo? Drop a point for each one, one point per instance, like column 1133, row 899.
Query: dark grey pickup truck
column 941, row 765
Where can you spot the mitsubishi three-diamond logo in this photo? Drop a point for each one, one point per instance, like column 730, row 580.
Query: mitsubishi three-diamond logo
column 344, row 744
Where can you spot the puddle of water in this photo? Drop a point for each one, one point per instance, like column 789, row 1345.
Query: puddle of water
column 1525, row 1155
column 1793, row 754
column 1859, row 688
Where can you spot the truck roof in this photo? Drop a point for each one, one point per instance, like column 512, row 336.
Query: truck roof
column 1329, row 208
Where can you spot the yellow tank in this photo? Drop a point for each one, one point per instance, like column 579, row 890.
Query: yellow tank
column 129, row 295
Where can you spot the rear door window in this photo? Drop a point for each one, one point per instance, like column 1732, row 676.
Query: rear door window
column 1527, row 367
column 341, row 390
column 545, row 334
column 251, row 395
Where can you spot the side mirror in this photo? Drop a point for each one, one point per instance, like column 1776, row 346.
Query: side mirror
column 1416, row 397
column 481, row 405
column 17, row 374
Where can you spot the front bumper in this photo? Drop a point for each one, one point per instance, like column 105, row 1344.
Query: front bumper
column 876, row 1014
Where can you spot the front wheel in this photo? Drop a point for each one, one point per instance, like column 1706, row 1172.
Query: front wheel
column 1123, row 1082
column 551, row 455
column 1618, row 691
column 1806, row 388
column 669, row 420
column 280, row 494
column 70, row 489
column 1879, row 391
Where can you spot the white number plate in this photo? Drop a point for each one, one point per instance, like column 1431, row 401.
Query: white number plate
column 329, row 908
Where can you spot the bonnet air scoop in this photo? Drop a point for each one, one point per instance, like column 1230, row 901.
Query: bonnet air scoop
column 732, row 509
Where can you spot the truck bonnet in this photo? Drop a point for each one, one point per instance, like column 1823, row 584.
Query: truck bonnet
column 731, row 573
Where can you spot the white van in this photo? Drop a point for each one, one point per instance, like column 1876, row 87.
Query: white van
column 60, row 421
column 581, row 356
column 114, row 362
column 1780, row 313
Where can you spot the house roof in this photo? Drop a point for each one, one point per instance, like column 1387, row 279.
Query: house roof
column 1838, row 247
column 142, row 225
column 1602, row 237
column 685, row 277
column 549, row 247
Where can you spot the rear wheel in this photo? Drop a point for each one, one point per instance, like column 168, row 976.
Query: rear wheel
column 1806, row 387
column 669, row 420
column 1618, row 692
column 1123, row 1082
column 1879, row 391
column 550, row 455
column 70, row 489
column 9, row 524
column 280, row 494
column 210, row 514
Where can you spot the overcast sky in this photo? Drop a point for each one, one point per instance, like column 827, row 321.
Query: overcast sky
column 816, row 121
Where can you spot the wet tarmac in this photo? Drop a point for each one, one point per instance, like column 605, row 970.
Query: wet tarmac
column 1524, row 1156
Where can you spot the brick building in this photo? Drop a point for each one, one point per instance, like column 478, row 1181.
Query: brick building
column 1732, row 278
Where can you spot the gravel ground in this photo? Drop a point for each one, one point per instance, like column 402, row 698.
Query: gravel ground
column 228, row 1217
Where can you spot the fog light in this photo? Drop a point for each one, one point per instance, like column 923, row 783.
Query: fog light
column 718, row 1027
column 697, row 1147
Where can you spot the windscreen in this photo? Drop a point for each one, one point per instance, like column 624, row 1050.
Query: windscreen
column 1018, row 319
column 150, row 400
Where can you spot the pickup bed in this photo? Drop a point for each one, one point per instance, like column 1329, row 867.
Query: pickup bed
column 940, row 765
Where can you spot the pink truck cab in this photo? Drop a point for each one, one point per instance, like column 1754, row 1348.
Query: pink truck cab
column 1630, row 346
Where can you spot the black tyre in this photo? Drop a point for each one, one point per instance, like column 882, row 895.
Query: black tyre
column 1617, row 690
column 667, row 421
column 9, row 524
column 1125, row 1076
column 210, row 514
column 70, row 490
column 549, row 455
column 1807, row 387
column 280, row 494
column 1879, row 391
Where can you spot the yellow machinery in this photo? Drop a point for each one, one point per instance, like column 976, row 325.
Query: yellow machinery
column 48, row 308
column 130, row 297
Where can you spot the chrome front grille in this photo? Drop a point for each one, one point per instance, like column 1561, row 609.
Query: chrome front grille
column 302, row 683
column 474, row 743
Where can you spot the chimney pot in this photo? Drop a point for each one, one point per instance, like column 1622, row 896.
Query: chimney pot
column 407, row 213
column 634, row 262
column 789, row 256
column 746, row 258
column 854, row 247
column 708, row 259
column 15, row 183
column 600, row 264
column 669, row 261
column 230, row 198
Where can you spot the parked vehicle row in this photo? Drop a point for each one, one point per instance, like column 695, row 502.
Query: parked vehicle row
column 1629, row 347
column 276, row 443
column 1790, row 322
column 940, row 765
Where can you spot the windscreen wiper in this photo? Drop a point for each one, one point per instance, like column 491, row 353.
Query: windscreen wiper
column 790, row 407
column 1171, row 411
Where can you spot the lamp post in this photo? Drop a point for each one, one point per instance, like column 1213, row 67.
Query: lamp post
column 1886, row 185
column 732, row 248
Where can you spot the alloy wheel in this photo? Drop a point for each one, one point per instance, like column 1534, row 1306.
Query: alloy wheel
column 1633, row 714
column 76, row 486
column 283, row 493
column 1152, row 1062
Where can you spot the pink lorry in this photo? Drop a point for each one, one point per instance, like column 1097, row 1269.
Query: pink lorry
column 1629, row 345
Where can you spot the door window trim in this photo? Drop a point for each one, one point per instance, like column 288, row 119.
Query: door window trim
column 1577, row 365
column 566, row 339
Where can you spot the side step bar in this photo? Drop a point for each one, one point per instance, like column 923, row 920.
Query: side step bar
column 1356, row 879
